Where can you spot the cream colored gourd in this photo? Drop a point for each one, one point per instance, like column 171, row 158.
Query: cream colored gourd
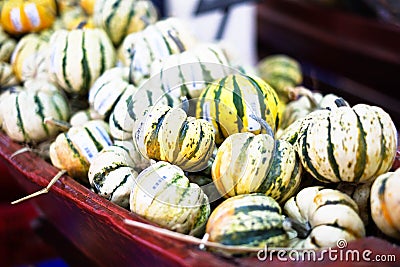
column 385, row 199
column 349, row 144
column 326, row 216
column 25, row 108
column 168, row 134
column 7, row 76
column 78, row 57
column 163, row 194
column 7, row 46
column 75, row 149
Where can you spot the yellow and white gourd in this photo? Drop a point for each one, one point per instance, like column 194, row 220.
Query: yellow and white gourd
column 118, row 18
column 29, row 57
column 230, row 102
column 325, row 215
column 163, row 194
column 75, row 149
column 168, row 134
column 25, row 16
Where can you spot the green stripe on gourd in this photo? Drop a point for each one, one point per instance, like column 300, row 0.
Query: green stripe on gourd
column 168, row 134
column 111, row 175
column 164, row 195
column 284, row 176
column 229, row 102
column 346, row 144
column 90, row 47
column 252, row 220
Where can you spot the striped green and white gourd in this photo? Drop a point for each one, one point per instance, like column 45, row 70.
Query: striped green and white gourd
column 325, row 216
column 228, row 104
column 251, row 220
column 132, row 104
column 168, row 134
column 347, row 144
column 76, row 149
column 139, row 50
column 111, row 175
column 108, row 89
column 78, row 57
column 24, row 110
column 7, row 76
column 29, row 56
column 281, row 72
column 187, row 74
column 284, row 176
column 242, row 163
column 119, row 18
column 7, row 46
column 163, row 194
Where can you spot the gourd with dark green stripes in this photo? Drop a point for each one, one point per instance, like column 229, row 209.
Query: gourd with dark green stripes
column 7, row 76
column 187, row 74
column 78, row 57
column 29, row 56
column 281, row 72
column 385, row 199
column 347, row 144
column 24, row 110
column 284, row 176
column 75, row 149
column 119, row 18
column 251, row 220
column 229, row 103
column 131, row 105
column 163, row 194
column 242, row 163
column 321, row 217
column 111, row 175
column 139, row 50
column 108, row 89
column 168, row 134
column 7, row 46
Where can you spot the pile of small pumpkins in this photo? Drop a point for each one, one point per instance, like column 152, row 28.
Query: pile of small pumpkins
column 144, row 114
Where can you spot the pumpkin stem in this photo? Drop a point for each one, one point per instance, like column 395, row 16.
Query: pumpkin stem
column 185, row 104
column 302, row 230
column 145, row 20
column 296, row 92
column 65, row 126
column 174, row 36
column 340, row 102
column 44, row 190
column 264, row 124
column 81, row 25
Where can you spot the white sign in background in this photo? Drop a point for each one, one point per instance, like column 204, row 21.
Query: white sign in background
column 240, row 31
